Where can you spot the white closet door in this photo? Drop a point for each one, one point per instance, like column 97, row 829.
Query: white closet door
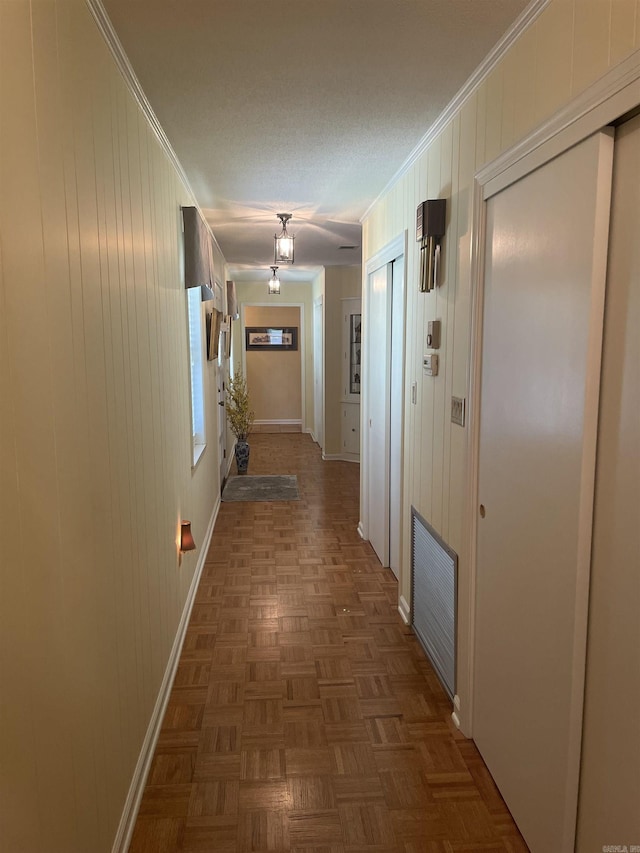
column 544, row 291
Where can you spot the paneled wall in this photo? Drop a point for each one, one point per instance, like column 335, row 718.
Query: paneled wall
column 95, row 444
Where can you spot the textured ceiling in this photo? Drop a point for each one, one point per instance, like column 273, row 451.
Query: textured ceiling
column 308, row 107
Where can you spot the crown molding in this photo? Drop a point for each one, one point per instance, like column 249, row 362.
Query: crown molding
column 100, row 16
column 483, row 70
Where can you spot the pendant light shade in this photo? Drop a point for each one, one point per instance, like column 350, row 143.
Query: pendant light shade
column 274, row 283
column 284, row 248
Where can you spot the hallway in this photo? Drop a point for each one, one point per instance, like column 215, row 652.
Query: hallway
column 304, row 716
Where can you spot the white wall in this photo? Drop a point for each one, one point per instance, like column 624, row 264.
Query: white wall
column 291, row 293
column 95, row 444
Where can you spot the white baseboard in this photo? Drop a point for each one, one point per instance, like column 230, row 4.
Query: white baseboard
column 232, row 456
column 281, row 422
column 340, row 457
column 455, row 716
column 361, row 531
column 132, row 803
column 404, row 610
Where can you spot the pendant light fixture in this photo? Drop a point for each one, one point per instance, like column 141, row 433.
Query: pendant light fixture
column 284, row 248
column 274, row 283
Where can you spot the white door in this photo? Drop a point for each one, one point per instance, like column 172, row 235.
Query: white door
column 376, row 375
column 396, row 412
column 318, row 372
column 544, row 290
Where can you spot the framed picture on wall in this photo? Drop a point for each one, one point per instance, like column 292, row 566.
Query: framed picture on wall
column 264, row 338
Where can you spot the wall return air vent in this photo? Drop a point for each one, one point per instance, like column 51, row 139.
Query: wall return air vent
column 434, row 570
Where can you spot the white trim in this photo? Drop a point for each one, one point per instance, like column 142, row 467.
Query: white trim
column 100, row 16
column 395, row 248
column 318, row 417
column 389, row 252
column 483, row 70
column 455, row 716
column 341, row 457
column 232, row 456
column 404, row 610
column 134, row 796
column 606, row 100
column 361, row 531
column 478, row 230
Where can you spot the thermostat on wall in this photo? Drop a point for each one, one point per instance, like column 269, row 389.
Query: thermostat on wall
column 430, row 364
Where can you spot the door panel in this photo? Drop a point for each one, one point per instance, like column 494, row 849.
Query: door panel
column 544, row 290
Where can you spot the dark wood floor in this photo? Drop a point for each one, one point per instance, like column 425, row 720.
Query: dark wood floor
column 305, row 716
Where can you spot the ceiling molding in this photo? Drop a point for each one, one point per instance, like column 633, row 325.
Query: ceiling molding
column 485, row 68
column 108, row 33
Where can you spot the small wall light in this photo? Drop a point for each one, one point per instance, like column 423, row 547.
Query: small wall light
column 284, row 248
column 186, row 537
column 274, row 283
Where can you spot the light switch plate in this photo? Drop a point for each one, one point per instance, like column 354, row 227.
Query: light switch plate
column 458, row 410
column 430, row 365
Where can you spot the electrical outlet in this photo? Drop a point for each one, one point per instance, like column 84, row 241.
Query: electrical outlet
column 458, row 410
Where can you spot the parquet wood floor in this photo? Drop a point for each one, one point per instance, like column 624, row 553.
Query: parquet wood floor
column 304, row 715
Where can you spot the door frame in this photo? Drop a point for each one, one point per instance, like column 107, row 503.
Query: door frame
column 318, row 368
column 604, row 102
column 388, row 253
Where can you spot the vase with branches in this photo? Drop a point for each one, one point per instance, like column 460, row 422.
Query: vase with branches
column 240, row 418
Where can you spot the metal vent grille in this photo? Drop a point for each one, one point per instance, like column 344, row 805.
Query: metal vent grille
column 434, row 568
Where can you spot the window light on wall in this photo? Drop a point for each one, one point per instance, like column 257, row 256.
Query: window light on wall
column 198, row 437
